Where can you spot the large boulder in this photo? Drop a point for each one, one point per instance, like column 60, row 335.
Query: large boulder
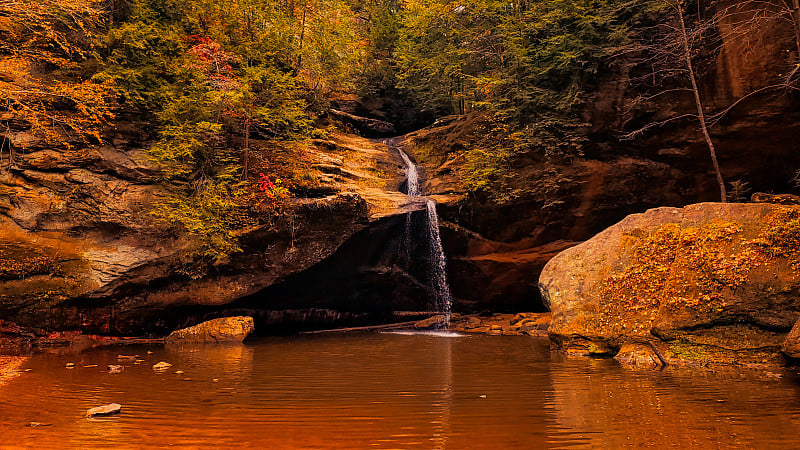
column 791, row 346
column 707, row 283
column 225, row 329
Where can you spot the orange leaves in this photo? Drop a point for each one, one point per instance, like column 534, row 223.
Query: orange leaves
column 43, row 44
column 694, row 267
column 678, row 267
column 55, row 110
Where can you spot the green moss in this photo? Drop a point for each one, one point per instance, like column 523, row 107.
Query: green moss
column 688, row 352
column 685, row 349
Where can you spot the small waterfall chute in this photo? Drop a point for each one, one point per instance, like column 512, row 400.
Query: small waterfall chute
column 438, row 265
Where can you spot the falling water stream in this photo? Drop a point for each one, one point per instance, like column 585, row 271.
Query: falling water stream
column 438, row 266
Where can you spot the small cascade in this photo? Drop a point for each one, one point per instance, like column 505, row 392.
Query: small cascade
column 412, row 190
column 438, row 269
column 412, row 176
column 438, row 266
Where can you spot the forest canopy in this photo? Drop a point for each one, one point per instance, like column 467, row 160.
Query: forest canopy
column 237, row 88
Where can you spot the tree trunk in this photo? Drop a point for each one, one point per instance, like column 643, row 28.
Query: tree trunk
column 246, row 150
column 796, row 23
column 701, row 116
column 302, row 36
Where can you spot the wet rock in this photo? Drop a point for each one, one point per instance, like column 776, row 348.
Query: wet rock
column 161, row 366
column 225, row 329
column 104, row 410
column 532, row 324
column 791, row 346
column 473, row 322
column 637, row 355
column 717, row 283
column 15, row 340
column 431, row 322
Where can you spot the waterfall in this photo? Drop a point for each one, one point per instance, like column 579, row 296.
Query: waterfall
column 412, row 176
column 438, row 267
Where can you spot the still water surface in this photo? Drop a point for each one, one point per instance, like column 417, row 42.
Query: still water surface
column 390, row 391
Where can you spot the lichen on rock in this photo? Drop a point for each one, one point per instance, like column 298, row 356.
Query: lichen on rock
column 718, row 282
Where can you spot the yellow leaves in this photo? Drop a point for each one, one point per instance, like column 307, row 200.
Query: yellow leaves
column 36, row 37
column 693, row 267
column 58, row 110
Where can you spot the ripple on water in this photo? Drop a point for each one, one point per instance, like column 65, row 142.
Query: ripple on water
column 390, row 391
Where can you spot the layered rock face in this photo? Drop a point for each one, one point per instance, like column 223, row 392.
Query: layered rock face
column 80, row 249
column 496, row 245
column 707, row 283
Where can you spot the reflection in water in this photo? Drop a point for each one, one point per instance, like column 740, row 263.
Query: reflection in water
column 614, row 407
column 434, row 333
column 389, row 391
column 442, row 424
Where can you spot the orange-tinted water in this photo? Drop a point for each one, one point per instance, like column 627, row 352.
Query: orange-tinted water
column 389, row 391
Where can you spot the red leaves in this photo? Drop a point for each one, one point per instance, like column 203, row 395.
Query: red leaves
column 265, row 185
column 211, row 58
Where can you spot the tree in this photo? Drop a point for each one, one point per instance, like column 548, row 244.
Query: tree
column 677, row 50
column 767, row 13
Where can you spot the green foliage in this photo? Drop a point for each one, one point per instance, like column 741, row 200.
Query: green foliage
column 739, row 191
column 484, row 169
column 523, row 61
column 206, row 215
column 524, row 67
column 214, row 75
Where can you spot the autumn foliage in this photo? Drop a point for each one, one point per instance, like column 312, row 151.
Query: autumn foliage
column 694, row 267
column 46, row 47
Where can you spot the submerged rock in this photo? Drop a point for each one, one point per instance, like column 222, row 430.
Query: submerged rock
column 161, row 366
column 105, row 410
column 226, row 329
column 638, row 355
column 39, row 424
column 716, row 283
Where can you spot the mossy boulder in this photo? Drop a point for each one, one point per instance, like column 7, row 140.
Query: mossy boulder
column 708, row 283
